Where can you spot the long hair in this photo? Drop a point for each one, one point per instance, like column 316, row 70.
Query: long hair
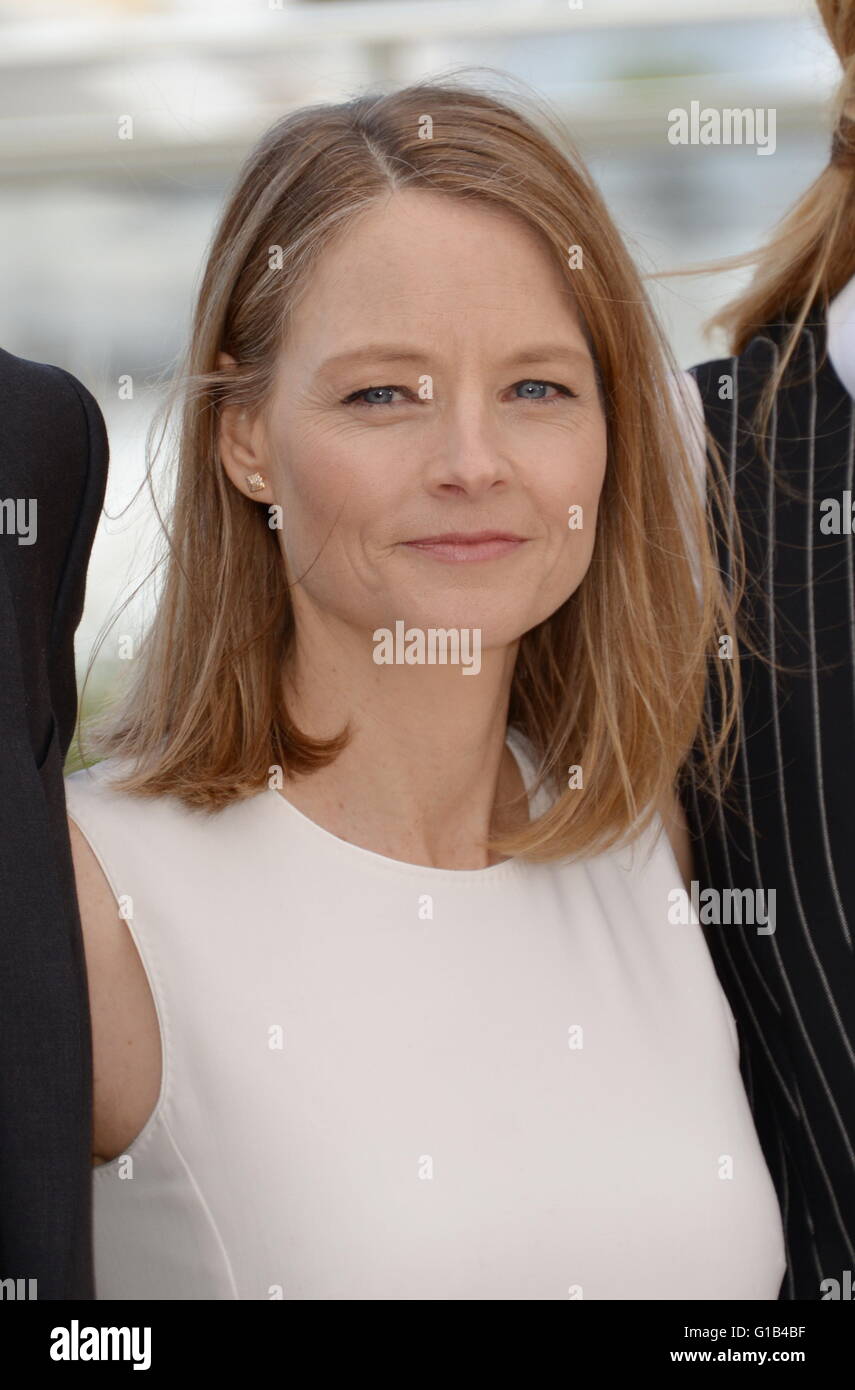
column 612, row 682
column 811, row 253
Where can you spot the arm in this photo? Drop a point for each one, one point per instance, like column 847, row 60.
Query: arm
column 125, row 1032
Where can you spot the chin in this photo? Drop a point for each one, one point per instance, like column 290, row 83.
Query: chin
column 493, row 624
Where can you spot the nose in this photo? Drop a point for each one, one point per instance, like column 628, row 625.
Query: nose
column 469, row 457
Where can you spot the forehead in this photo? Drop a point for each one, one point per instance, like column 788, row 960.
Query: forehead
column 438, row 268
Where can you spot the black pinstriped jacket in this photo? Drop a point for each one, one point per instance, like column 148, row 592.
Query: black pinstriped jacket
column 792, row 825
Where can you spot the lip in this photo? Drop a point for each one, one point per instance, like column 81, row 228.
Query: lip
column 462, row 546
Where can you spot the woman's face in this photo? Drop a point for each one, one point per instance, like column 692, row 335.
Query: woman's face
column 435, row 380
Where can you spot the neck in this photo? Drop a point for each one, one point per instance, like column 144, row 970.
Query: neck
column 427, row 776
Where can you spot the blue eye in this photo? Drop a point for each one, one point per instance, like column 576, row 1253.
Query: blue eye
column 563, row 391
column 356, row 397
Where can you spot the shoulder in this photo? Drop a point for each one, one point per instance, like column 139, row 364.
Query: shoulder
column 729, row 385
column 660, row 844
column 124, row 848
column 722, row 382
column 730, row 389
column 94, row 811
column 38, row 394
column 23, row 377
column 93, row 786
column 130, row 830
column 123, row 828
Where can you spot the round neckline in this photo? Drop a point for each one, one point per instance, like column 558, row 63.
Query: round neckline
column 369, row 859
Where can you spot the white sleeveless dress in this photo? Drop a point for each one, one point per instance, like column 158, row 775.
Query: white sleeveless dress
column 388, row 1081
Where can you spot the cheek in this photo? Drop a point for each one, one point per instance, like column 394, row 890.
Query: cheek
column 313, row 480
column 571, row 509
column 326, row 462
column 575, row 485
column 330, row 494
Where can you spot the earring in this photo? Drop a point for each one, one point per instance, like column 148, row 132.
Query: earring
column 255, row 482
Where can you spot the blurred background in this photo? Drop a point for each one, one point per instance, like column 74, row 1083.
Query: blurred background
column 102, row 239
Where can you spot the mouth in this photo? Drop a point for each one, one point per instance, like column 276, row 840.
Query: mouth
column 460, row 546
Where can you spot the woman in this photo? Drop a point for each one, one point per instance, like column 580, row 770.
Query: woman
column 400, row 1012
column 785, row 422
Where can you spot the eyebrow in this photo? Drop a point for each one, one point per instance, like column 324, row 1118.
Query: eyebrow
column 394, row 352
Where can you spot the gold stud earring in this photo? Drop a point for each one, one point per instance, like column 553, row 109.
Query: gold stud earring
column 255, row 482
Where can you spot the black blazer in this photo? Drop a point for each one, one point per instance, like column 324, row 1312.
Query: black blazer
column 792, row 825
column 53, row 452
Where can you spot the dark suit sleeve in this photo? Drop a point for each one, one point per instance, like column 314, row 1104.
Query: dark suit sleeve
column 53, row 460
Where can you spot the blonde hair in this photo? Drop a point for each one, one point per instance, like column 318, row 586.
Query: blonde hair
column 614, row 680
column 811, row 253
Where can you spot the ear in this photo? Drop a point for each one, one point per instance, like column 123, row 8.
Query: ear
column 242, row 445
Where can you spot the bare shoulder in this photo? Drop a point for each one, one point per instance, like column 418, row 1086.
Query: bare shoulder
column 125, row 1033
column 677, row 830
